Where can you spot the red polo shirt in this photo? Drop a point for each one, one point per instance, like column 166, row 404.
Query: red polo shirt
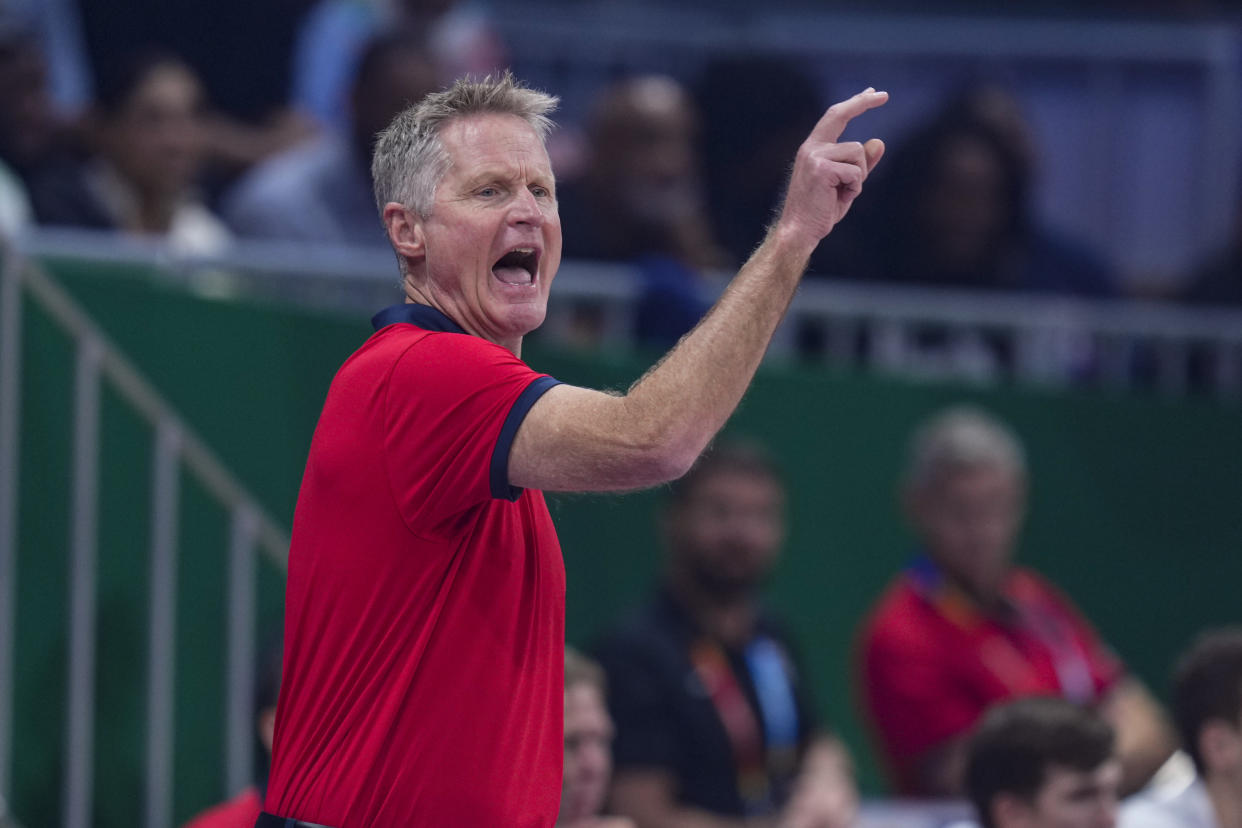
column 932, row 662
column 424, row 619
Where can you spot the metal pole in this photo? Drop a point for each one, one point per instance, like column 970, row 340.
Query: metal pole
column 165, row 480
column 79, row 744
column 10, row 413
column 240, row 721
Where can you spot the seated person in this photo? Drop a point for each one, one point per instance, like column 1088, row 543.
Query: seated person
column 588, row 747
column 714, row 723
column 641, row 201
column 1207, row 706
column 1043, row 763
column 243, row 809
column 321, row 191
column 151, row 133
column 962, row 628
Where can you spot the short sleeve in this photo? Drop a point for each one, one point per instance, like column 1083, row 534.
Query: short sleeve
column 452, row 406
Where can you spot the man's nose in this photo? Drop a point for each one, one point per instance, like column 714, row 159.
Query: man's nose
column 525, row 209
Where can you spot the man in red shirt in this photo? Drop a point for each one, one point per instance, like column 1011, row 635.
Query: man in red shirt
column 424, row 618
column 963, row 629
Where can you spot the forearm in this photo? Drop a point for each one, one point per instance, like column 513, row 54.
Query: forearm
column 687, row 396
column 1145, row 738
column 575, row 439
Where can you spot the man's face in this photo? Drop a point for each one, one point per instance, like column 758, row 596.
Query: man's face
column 588, row 753
column 969, row 518
column 729, row 530
column 156, row 140
column 1073, row 799
column 493, row 240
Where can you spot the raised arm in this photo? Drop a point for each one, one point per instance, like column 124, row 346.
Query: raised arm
column 576, row 439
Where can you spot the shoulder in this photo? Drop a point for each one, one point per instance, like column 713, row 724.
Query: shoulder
column 897, row 617
column 1188, row 808
column 290, row 174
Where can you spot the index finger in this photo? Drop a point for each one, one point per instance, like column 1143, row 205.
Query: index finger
column 834, row 121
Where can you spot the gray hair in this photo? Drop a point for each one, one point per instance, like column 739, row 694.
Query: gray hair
column 410, row 160
column 963, row 436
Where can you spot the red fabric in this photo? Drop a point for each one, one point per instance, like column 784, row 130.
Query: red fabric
column 424, row 644
column 932, row 665
column 239, row 812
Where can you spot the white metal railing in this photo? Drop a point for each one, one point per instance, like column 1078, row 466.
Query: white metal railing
column 981, row 336
column 177, row 446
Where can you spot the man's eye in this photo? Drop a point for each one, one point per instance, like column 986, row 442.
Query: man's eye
column 541, row 192
column 488, row 192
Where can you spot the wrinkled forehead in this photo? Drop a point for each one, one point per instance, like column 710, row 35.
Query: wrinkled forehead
column 493, row 140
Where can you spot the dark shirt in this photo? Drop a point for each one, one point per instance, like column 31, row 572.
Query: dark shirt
column 666, row 719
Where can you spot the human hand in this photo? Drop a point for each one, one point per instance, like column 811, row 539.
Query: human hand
column 827, row 176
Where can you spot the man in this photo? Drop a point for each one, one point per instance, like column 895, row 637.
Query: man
column 963, row 628
column 588, row 747
column 1043, row 763
column 714, row 727
column 1207, row 706
column 425, row 601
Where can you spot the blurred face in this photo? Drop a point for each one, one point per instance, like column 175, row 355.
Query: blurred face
column 492, row 244
column 156, row 139
column 965, row 207
column 588, row 753
column 728, row 533
column 1073, row 799
column 968, row 518
column 26, row 118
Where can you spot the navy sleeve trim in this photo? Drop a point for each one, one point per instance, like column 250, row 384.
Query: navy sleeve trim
column 504, row 443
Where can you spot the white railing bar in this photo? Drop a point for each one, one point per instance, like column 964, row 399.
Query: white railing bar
column 10, row 413
column 817, row 296
column 80, row 730
column 240, row 712
column 199, row 459
column 161, row 656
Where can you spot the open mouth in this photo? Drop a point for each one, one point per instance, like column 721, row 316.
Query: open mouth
column 518, row 266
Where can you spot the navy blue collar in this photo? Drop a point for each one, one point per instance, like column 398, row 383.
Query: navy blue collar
column 422, row 316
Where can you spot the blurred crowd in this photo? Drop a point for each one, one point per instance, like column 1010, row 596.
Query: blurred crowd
column 979, row 679
column 209, row 123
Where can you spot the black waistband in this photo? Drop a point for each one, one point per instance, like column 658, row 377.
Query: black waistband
column 267, row 820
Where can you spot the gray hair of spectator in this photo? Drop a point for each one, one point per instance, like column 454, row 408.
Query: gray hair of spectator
column 410, row 160
column 581, row 670
column 1207, row 686
column 1013, row 747
column 962, row 437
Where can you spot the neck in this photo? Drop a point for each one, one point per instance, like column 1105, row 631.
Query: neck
column 416, row 295
column 729, row 618
column 1225, row 794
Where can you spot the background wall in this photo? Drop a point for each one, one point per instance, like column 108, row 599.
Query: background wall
column 1135, row 512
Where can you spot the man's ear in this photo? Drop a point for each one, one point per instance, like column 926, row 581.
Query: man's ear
column 405, row 231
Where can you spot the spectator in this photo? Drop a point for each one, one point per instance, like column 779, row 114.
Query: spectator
column 321, row 192
column 588, row 747
column 35, row 143
column 755, row 111
column 460, row 37
column 955, row 212
column 1207, row 706
column 242, row 810
column 641, row 201
column 714, row 724
column 963, row 628
column 150, row 133
column 1043, row 763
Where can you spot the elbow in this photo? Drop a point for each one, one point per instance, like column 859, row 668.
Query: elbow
column 667, row 456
